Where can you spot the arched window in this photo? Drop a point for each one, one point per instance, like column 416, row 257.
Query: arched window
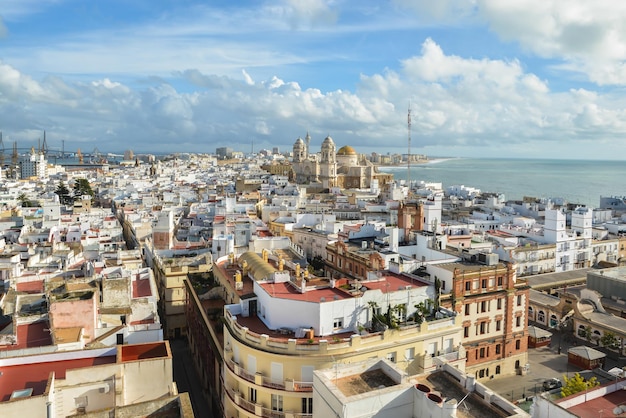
column 541, row 317
column 531, row 313
column 553, row 320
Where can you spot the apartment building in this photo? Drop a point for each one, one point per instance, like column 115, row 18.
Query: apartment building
column 136, row 379
column 493, row 304
column 280, row 324
column 171, row 268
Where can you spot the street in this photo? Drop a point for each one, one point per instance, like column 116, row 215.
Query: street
column 186, row 377
column 544, row 363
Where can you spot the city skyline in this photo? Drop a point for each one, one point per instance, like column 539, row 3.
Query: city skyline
column 528, row 79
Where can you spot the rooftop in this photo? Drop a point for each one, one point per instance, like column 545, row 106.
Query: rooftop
column 364, row 382
column 133, row 352
column 594, row 407
column 36, row 375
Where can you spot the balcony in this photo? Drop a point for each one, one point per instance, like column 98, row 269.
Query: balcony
column 256, row 335
column 260, row 380
column 258, row 409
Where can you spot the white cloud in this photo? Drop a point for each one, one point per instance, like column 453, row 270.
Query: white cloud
column 589, row 36
column 308, row 13
column 457, row 103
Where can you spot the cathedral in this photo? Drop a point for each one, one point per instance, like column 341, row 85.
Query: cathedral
column 330, row 168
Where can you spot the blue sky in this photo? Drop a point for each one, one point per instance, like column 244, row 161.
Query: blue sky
column 485, row 78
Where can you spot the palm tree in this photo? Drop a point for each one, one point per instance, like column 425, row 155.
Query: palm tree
column 24, row 200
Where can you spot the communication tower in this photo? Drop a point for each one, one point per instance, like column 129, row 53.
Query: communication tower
column 408, row 157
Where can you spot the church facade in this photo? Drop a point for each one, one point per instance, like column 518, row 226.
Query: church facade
column 331, row 168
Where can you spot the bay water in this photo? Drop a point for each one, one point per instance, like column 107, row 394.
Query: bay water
column 577, row 181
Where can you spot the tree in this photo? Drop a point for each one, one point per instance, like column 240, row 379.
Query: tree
column 577, row 384
column 437, row 293
column 23, row 199
column 64, row 194
column 609, row 340
column 25, row 202
column 82, row 188
column 587, row 332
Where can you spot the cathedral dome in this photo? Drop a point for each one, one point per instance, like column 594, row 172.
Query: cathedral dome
column 299, row 141
column 346, row 150
column 328, row 143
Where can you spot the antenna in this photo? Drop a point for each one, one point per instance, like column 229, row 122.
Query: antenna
column 408, row 157
column 1, row 150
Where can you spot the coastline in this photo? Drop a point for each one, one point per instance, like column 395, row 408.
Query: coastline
column 419, row 162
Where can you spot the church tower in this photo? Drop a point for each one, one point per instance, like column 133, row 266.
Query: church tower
column 307, row 140
column 328, row 164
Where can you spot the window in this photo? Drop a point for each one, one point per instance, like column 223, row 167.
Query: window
column 252, row 395
column 518, row 321
column 498, row 348
column 498, row 324
column 518, row 344
column 541, row 317
column 467, row 309
column 483, row 327
column 277, row 403
column 409, row 353
column 483, row 306
column 519, row 300
column 402, row 312
column 467, row 286
column 466, row 332
column 483, row 283
column 307, row 405
column 338, row 323
column 482, row 352
column 500, row 281
column 499, row 303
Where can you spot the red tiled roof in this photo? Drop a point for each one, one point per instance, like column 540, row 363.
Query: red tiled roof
column 287, row 291
column 35, row 286
column 593, row 407
column 31, row 335
column 36, row 375
column 392, row 282
column 144, row 351
column 141, row 288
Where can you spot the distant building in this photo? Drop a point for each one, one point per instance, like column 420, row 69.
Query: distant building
column 341, row 168
column 224, row 152
column 33, row 165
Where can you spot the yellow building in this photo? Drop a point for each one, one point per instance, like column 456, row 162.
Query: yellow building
column 280, row 324
column 171, row 268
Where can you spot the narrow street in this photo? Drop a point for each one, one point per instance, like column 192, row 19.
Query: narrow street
column 187, row 379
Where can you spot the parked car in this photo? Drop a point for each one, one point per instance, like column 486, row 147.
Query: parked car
column 553, row 383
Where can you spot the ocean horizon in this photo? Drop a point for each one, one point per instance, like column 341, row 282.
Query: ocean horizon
column 577, row 181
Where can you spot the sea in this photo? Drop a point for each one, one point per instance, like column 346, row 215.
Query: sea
column 576, row 181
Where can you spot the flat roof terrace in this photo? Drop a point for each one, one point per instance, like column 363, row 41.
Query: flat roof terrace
column 364, row 382
column 35, row 376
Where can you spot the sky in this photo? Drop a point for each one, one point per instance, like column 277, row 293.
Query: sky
column 482, row 78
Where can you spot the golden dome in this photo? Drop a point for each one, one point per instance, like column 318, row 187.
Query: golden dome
column 346, row 150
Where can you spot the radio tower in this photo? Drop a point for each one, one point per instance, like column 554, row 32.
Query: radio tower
column 408, row 158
